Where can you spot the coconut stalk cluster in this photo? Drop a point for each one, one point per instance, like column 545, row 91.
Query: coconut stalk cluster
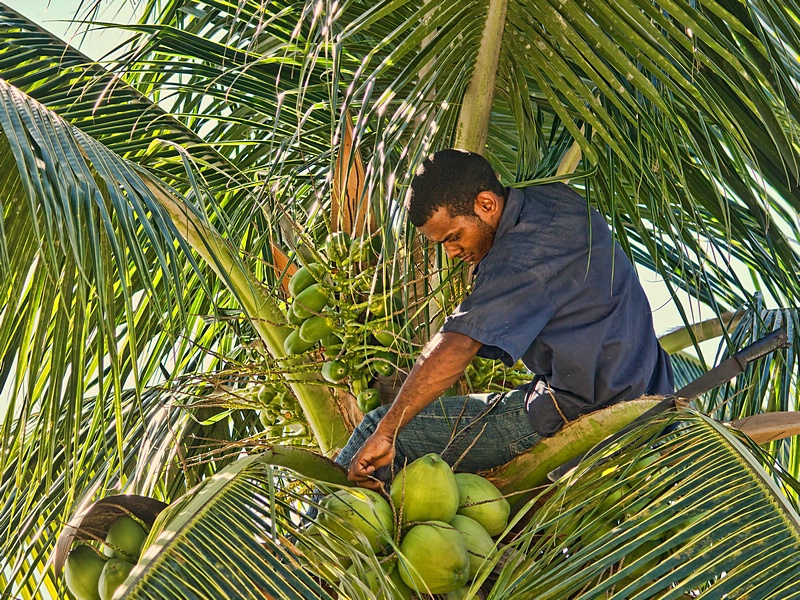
column 95, row 574
column 432, row 534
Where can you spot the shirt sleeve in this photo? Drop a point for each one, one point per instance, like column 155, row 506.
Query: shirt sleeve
column 507, row 309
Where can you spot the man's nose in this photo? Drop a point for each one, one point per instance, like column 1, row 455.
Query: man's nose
column 451, row 251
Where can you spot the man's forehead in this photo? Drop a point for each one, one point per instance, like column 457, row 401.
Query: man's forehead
column 438, row 225
column 441, row 216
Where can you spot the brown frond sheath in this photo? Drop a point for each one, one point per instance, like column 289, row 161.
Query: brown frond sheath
column 349, row 207
column 768, row 427
column 282, row 266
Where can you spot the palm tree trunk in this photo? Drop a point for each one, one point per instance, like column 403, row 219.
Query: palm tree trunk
column 476, row 108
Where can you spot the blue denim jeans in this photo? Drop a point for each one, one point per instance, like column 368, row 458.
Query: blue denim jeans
column 474, row 432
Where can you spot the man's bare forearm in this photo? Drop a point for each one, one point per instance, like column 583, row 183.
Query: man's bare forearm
column 441, row 364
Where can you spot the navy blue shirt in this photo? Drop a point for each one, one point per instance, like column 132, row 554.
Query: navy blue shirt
column 557, row 291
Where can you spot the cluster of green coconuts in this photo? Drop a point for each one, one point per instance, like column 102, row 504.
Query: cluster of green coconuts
column 94, row 575
column 354, row 321
column 441, row 523
column 278, row 407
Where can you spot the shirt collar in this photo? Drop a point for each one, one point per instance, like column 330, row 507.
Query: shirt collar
column 511, row 212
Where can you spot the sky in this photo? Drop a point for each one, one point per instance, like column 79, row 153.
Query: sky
column 56, row 16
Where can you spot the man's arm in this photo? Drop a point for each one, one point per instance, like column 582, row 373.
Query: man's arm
column 441, row 363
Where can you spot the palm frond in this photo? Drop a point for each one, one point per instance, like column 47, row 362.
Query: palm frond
column 81, row 234
column 102, row 105
column 245, row 509
column 691, row 513
column 767, row 385
column 101, row 286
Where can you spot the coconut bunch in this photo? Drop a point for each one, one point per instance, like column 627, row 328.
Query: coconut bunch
column 432, row 535
column 346, row 311
column 92, row 574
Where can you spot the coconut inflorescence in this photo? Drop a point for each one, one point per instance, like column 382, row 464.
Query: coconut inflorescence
column 432, row 526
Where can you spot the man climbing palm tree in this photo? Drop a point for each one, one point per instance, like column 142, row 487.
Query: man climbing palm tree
column 551, row 287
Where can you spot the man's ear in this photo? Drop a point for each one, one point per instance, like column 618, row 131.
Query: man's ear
column 486, row 204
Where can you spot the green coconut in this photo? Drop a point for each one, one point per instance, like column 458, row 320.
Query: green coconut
column 433, row 558
column 351, row 510
column 316, row 544
column 114, row 573
column 613, row 500
column 124, row 539
column 82, row 572
column 398, row 590
column 425, row 490
column 479, row 543
column 596, row 532
column 479, row 499
column 401, row 589
column 647, row 548
column 461, row 593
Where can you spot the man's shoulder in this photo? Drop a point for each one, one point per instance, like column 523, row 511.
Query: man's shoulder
column 557, row 193
column 542, row 208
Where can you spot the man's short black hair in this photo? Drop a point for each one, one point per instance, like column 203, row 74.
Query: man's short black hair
column 451, row 179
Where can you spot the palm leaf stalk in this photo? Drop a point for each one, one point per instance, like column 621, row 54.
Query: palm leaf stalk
column 476, row 106
column 529, row 470
column 683, row 337
column 268, row 319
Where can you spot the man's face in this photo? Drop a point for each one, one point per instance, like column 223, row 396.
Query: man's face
column 468, row 238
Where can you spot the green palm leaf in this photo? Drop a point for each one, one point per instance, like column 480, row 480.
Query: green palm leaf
column 703, row 517
column 236, row 512
column 91, row 98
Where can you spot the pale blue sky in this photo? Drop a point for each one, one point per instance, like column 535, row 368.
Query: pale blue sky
column 57, row 15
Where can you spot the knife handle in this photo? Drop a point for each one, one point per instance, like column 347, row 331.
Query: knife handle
column 760, row 348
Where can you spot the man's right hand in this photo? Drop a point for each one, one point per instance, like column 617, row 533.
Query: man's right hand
column 377, row 452
column 439, row 366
